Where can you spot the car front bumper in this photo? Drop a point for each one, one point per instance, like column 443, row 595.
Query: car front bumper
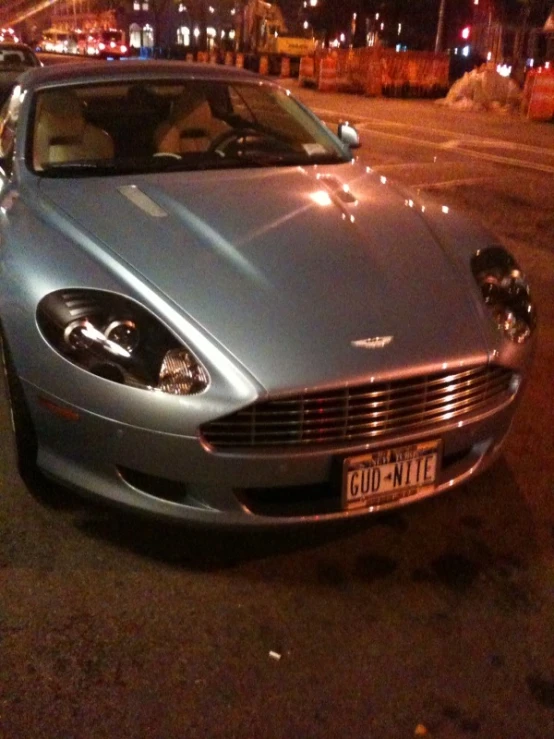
column 177, row 477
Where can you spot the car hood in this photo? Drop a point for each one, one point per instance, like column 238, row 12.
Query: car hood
column 294, row 271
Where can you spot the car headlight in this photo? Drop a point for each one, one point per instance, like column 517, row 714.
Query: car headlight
column 505, row 292
column 115, row 338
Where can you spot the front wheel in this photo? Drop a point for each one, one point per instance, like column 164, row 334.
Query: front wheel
column 25, row 440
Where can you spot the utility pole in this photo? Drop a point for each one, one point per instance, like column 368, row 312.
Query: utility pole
column 440, row 27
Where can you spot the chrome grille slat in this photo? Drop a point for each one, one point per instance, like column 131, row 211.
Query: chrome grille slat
column 360, row 427
column 490, row 385
column 362, row 412
column 399, row 407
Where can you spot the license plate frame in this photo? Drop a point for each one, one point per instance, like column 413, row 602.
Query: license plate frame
column 376, row 478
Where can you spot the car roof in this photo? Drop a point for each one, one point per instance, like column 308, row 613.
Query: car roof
column 14, row 45
column 128, row 70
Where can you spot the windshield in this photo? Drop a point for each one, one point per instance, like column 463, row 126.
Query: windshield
column 141, row 127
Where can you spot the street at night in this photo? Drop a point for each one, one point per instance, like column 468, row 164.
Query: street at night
column 435, row 621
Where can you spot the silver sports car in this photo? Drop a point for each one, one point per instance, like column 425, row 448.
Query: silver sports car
column 211, row 311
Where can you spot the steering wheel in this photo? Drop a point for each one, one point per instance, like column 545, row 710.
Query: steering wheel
column 170, row 154
column 223, row 140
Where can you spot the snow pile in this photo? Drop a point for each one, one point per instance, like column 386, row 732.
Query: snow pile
column 484, row 89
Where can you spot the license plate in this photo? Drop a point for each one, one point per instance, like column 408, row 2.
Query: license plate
column 388, row 475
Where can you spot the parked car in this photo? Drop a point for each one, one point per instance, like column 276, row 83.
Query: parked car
column 212, row 311
column 15, row 58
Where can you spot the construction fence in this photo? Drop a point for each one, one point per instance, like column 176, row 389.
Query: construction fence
column 371, row 71
column 280, row 65
column 377, row 71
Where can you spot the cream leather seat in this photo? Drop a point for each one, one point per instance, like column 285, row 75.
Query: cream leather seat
column 63, row 135
column 190, row 127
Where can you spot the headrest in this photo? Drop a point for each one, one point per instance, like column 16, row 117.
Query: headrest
column 62, row 112
column 190, row 100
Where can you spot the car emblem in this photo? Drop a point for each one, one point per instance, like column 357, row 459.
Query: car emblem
column 374, row 342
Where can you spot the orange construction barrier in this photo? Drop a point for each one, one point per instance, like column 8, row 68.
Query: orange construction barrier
column 306, row 74
column 264, row 64
column 327, row 78
column 344, row 59
column 203, row 56
column 377, row 71
column 373, row 84
column 239, row 61
column 285, row 66
column 229, row 58
column 538, row 95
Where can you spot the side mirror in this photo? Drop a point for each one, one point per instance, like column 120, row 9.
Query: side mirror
column 349, row 135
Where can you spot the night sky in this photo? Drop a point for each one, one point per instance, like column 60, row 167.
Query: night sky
column 418, row 17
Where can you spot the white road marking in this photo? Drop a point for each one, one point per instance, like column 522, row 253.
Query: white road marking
column 459, row 143
column 456, row 135
column 520, row 163
column 453, row 183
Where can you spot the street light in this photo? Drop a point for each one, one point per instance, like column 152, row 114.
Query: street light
column 440, row 27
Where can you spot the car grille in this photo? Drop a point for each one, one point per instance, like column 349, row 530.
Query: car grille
column 355, row 414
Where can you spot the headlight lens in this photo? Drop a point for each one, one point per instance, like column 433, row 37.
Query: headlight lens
column 115, row 338
column 506, row 292
column 180, row 373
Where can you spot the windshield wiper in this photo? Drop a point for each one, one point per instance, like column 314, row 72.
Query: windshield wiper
column 83, row 167
column 261, row 159
column 248, row 160
column 88, row 167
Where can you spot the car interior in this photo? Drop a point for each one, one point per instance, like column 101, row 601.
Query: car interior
column 144, row 125
column 62, row 133
column 123, row 122
column 191, row 125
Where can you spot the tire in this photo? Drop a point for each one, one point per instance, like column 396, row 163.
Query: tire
column 24, row 435
column 25, row 439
